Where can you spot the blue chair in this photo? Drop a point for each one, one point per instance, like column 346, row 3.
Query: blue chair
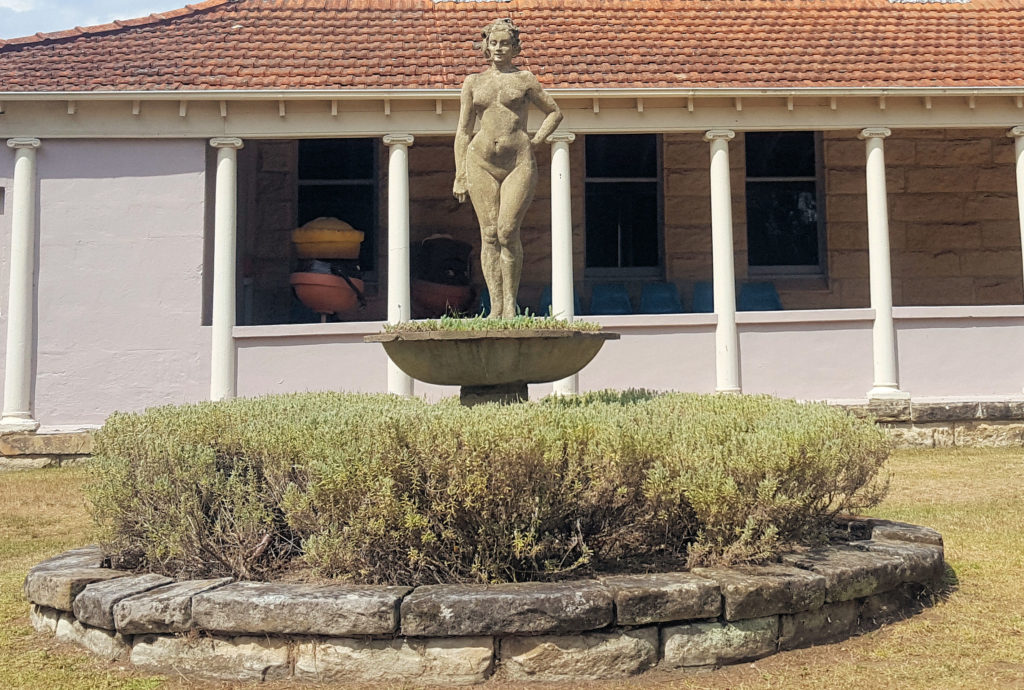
column 758, row 297
column 544, row 306
column 703, row 297
column 660, row 298
column 610, row 298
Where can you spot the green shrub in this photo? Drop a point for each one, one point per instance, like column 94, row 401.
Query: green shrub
column 380, row 489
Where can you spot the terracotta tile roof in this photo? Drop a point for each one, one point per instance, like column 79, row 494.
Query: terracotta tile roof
column 417, row 44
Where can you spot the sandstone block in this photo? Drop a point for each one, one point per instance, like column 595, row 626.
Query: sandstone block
column 44, row 619
column 759, row 591
column 167, row 609
column 103, row 643
column 655, row 598
column 919, row 563
column 943, row 411
column 889, row 606
column 1002, row 410
column 901, row 531
column 214, row 658
column 714, row 643
column 955, row 152
column 82, row 557
column 590, row 656
column 18, row 463
column 57, row 588
column 989, row 434
column 912, row 436
column 514, row 609
column 299, row 609
column 849, row 572
column 46, row 444
column 830, row 623
column 451, row 661
column 95, row 605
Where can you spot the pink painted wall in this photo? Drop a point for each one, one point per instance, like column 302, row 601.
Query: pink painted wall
column 120, row 261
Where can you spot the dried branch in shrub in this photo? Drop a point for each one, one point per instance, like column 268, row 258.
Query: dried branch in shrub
column 379, row 489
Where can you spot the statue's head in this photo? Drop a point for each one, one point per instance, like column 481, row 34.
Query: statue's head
column 497, row 28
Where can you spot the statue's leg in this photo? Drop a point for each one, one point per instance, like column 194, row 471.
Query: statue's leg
column 516, row 194
column 484, row 193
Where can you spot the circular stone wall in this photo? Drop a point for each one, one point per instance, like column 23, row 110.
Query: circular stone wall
column 462, row 634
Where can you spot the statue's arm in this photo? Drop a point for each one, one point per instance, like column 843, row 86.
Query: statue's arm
column 546, row 104
column 467, row 119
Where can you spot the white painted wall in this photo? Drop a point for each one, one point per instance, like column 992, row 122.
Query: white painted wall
column 119, row 277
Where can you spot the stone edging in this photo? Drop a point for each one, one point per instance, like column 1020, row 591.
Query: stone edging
column 947, row 423
column 463, row 634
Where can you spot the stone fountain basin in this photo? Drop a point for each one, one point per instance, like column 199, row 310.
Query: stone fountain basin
column 491, row 358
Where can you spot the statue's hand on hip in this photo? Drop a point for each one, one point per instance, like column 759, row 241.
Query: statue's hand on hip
column 459, row 191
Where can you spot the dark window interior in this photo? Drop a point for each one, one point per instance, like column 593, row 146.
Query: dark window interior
column 622, row 201
column 782, row 199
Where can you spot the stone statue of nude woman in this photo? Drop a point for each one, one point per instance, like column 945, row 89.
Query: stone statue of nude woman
column 495, row 167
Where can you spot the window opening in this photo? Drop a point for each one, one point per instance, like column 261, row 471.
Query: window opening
column 338, row 179
column 785, row 218
column 623, row 205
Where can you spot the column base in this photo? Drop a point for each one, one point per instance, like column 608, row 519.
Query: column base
column 887, row 393
column 14, row 425
column 730, row 391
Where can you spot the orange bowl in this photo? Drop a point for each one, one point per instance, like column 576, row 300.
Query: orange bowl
column 433, row 300
column 325, row 293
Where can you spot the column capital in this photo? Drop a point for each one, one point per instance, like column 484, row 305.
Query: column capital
column 1017, row 131
column 719, row 135
column 399, row 139
column 561, row 138
column 226, row 143
column 24, row 143
column 874, row 133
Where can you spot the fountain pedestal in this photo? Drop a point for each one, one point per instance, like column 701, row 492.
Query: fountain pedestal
column 491, row 366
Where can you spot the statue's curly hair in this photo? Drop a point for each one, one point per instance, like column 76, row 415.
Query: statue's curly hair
column 501, row 25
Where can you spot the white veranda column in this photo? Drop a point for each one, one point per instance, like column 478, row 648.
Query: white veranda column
column 223, row 360
column 562, row 305
column 886, row 372
column 727, row 349
column 17, row 413
column 1018, row 141
column 399, row 298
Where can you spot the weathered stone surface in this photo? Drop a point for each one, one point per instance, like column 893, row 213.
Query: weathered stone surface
column 44, row 619
column 849, row 572
column 758, row 591
column 215, row 658
column 829, row 623
column 590, row 656
column 920, row 563
column 1001, row 410
column 882, row 410
column 515, row 609
column 989, row 434
column 902, row 531
column 104, row 643
column 58, row 587
column 19, row 463
column 166, row 609
column 912, row 436
column 655, row 598
column 451, row 661
column 714, row 643
column 892, row 605
column 82, row 557
column 299, row 609
column 46, row 444
column 95, row 605
column 944, row 411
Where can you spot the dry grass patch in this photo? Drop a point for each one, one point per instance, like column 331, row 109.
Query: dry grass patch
column 974, row 638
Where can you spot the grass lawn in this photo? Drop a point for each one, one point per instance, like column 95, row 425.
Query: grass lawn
column 973, row 638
